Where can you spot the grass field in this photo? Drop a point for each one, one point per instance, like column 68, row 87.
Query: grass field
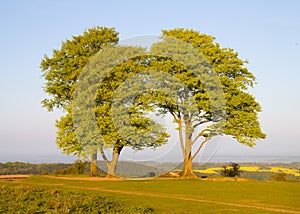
column 180, row 195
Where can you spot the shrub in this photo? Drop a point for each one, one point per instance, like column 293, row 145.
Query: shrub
column 231, row 170
column 280, row 176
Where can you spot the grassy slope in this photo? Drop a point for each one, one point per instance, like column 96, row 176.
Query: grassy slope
column 188, row 196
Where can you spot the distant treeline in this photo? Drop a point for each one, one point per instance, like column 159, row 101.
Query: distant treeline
column 11, row 168
column 124, row 168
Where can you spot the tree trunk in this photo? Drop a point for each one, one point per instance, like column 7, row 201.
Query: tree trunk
column 93, row 165
column 112, row 165
column 187, row 171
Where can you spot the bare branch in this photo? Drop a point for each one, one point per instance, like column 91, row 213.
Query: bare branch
column 200, row 147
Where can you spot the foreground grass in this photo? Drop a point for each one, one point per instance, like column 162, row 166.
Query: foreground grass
column 181, row 195
column 29, row 199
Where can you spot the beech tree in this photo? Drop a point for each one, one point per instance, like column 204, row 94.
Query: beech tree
column 238, row 118
column 62, row 72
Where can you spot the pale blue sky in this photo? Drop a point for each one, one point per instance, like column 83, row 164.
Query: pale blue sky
column 267, row 33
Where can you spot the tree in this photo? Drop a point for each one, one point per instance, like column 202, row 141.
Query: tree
column 239, row 118
column 62, row 73
column 240, row 113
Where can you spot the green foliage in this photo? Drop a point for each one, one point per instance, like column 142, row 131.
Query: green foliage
column 281, row 177
column 112, row 75
column 231, row 170
column 62, row 70
column 119, row 116
column 26, row 199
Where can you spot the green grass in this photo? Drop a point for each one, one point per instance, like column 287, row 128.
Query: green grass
column 30, row 199
column 183, row 196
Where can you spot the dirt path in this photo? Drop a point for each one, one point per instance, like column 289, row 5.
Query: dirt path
column 13, row 177
column 83, row 178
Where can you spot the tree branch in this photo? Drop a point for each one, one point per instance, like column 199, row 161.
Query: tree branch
column 200, row 123
column 200, row 147
column 103, row 155
column 180, row 136
column 199, row 135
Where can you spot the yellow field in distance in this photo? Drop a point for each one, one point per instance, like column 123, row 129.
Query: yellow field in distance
column 252, row 169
